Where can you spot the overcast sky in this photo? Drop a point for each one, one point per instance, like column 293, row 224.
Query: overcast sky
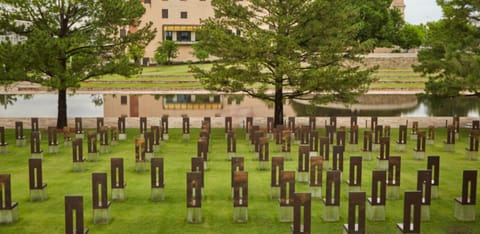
column 422, row 11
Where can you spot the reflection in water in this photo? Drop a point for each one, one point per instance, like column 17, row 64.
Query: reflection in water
column 395, row 105
column 199, row 105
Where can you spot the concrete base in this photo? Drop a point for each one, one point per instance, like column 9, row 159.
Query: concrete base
column 471, row 155
column 118, row 194
column 67, row 143
column 464, row 212
column 93, row 157
column 430, row 142
column 231, row 155
column 393, row 192
column 352, row 148
column 101, row 216
column 104, row 149
column 457, row 136
column 274, row 193
column 38, row 194
column 382, row 164
column 353, row 189
column 331, row 213
column 252, row 150
column 302, row 177
column 419, row 155
column 156, row 148
column 367, row 156
column 240, row 214
column 285, row 214
column 313, row 154
column 165, row 136
column 400, row 147
column 113, row 143
column 37, row 155
column 186, row 137
column 78, row 166
column 21, row 142
column 375, row 213
column 376, row 147
column 79, row 136
column 158, row 194
column 316, row 192
column 194, row 215
column 3, row 149
column 449, row 147
column 205, row 165
column 122, row 136
column 425, row 213
column 263, row 165
column 9, row 216
column 435, row 194
column 140, row 166
column 53, row 149
column 149, row 156
column 413, row 137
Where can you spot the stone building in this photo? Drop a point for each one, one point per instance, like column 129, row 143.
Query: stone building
column 178, row 20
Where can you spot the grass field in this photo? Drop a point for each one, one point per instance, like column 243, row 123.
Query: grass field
column 140, row 215
column 180, row 76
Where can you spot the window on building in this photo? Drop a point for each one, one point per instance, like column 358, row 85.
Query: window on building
column 183, row 15
column 147, row 1
column 165, row 13
column 123, row 100
column 184, row 36
column 168, row 35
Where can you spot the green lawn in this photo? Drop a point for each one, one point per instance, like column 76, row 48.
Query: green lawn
column 140, row 215
column 172, row 76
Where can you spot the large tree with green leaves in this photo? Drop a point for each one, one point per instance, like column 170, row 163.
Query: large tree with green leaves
column 295, row 49
column 451, row 57
column 68, row 42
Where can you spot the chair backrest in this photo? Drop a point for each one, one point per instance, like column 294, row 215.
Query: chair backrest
column 157, row 173
column 379, row 188
column 316, row 175
column 411, row 211
column 240, row 189
column 394, row 165
column 356, row 211
column 469, row 187
column 116, row 172
column 424, row 185
column 302, row 200
column 99, row 190
column 332, row 196
column 433, row 164
column 355, row 175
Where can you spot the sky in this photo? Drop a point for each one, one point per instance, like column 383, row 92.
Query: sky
column 422, row 11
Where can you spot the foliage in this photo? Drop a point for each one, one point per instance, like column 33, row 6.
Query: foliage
column 136, row 53
column 451, row 58
column 68, row 42
column 301, row 49
column 410, row 36
column 166, row 52
column 379, row 22
column 200, row 53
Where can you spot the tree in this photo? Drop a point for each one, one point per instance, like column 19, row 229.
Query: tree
column 410, row 36
column 379, row 22
column 69, row 42
column 200, row 53
column 166, row 52
column 451, row 57
column 298, row 49
column 136, row 53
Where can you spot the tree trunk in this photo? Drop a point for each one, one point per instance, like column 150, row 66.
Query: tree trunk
column 278, row 115
column 62, row 109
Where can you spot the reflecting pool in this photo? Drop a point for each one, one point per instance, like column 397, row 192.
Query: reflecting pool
column 199, row 105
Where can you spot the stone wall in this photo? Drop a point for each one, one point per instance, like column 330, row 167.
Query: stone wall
column 391, row 60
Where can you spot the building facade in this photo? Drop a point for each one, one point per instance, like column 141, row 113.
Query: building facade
column 178, row 20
